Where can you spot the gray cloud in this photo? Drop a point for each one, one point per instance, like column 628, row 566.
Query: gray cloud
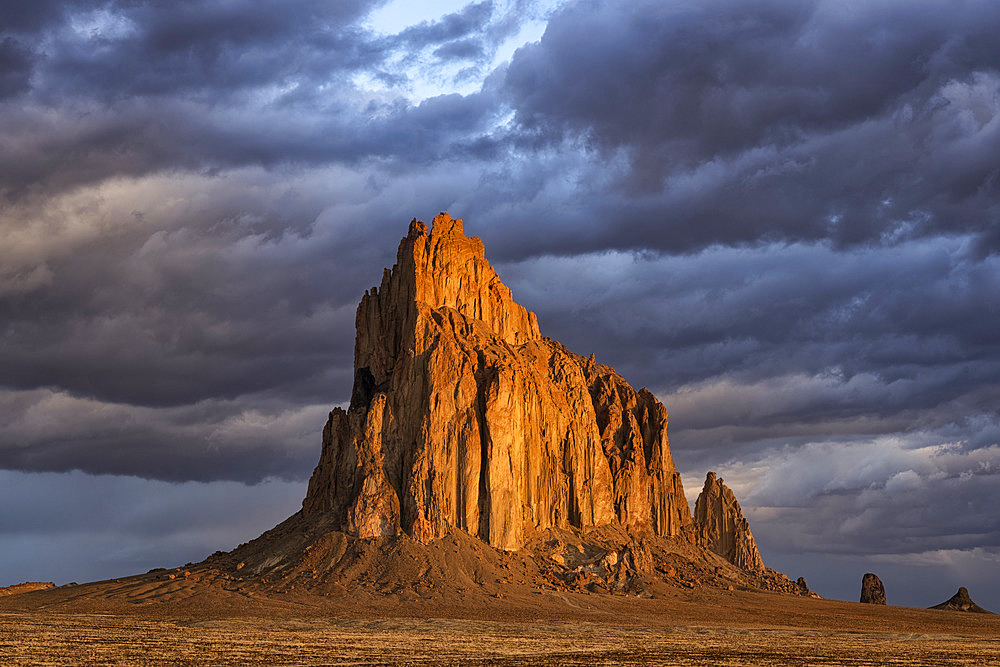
column 736, row 122
column 473, row 18
column 15, row 67
column 204, row 48
column 114, row 526
column 206, row 86
column 460, row 49
column 256, row 438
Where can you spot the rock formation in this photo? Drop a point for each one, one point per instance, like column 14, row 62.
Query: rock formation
column 961, row 601
column 463, row 416
column 872, row 591
column 26, row 587
column 720, row 526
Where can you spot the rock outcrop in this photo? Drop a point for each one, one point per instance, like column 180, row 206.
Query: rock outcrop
column 720, row 526
column 872, row 591
column 961, row 601
column 463, row 416
column 26, row 587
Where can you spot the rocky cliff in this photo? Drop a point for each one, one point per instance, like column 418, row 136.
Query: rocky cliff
column 463, row 416
column 720, row 526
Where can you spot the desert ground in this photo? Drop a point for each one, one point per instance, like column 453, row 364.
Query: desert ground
column 150, row 619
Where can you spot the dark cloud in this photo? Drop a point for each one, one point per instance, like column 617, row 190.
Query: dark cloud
column 15, row 67
column 205, row 86
column 460, row 49
column 256, row 438
column 739, row 122
column 473, row 18
column 29, row 16
column 206, row 49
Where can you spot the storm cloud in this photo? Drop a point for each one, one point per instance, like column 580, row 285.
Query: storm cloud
column 782, row 217
column 740, row 122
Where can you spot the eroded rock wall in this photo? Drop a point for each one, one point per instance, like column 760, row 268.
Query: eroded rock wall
column 464, row 416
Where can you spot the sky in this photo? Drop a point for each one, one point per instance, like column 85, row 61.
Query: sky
column 781, row 216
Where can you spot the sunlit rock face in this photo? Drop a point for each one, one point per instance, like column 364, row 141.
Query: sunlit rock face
column 720, row 526
column 464, row 417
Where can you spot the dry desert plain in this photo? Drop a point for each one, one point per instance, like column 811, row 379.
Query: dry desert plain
column 150, row 620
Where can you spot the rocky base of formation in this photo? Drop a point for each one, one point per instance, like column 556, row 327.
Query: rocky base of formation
column 305, row 554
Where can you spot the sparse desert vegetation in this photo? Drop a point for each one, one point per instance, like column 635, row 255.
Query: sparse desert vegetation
column 67, row 639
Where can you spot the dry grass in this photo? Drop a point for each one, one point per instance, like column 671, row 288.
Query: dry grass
column 69, row 639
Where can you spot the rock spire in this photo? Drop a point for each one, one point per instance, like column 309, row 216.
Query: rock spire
column 463, row 416
column 872, row 590
column 720, row 526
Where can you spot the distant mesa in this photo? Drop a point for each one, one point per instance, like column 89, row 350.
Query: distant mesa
column 872, row 590
column 961, row 601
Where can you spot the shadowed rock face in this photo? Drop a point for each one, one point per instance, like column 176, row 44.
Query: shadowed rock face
column 464, row 416
column 961, row 601
column 720, row 526
column 872, row 591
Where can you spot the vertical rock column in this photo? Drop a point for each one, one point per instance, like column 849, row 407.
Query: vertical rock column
column 720, row 526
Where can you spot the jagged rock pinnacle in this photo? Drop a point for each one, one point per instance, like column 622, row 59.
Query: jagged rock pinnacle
column 463, row 416
column 720, row 526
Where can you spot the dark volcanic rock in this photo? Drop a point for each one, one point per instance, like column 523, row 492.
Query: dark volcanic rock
column 872, row 591
column 961, row 601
